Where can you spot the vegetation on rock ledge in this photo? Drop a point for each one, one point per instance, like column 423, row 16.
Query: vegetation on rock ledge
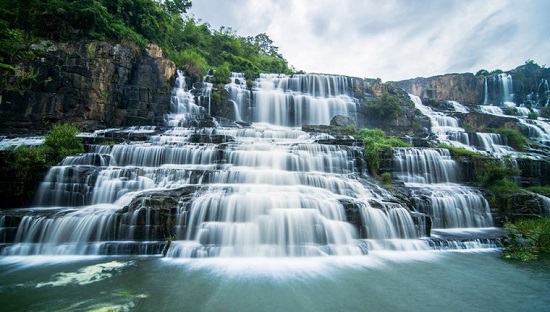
column 375, row 144
column 194, row 46
column 527, row 238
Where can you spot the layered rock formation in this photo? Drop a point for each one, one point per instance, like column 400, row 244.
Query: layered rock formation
column 91, row 84
column 465, row 88
column 530, row 86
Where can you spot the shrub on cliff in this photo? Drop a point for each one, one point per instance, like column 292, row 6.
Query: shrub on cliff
column 526, row 238
column 192, row 45
column 498, row 176
column 375, row 144
column 62, row 141
column 386, row 106
column 514, row 138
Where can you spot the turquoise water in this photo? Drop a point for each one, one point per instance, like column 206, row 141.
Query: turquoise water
column 380, row 281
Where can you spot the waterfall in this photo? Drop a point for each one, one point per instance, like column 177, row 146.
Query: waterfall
column 268, row 191
column 485, row 91
column 543, row 94
column 416, row 165
column 240, row 95
column 182, row 105
column 9, row 143
column 428, row 174
column 458, row 107
column 506, row 84
column 492, row 110
column 440, row 123
column 301, row 99
column 453, row 206
column 264, row 190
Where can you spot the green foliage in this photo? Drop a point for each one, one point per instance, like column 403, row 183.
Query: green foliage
column 376, row 144
column 482, row 72
column 469, row 126
column 30, row 159
column 543, row 190
column 221, row 74
column 62, row 141
column 530, row 62
column 385, row 178
column 384, row 106
column 533, row 115
column 192, row 45
column 526, row 238
column 194, row 64
column 514, row 138
column 510, row 111
column 458, row 152
column 498, row 176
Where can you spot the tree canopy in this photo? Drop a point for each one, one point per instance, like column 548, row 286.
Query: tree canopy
column 193, row 45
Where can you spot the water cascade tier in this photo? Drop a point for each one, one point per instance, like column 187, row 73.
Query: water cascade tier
column 198, row 189
column 293, row 100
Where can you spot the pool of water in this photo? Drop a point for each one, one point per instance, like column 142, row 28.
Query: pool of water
column 380, row 281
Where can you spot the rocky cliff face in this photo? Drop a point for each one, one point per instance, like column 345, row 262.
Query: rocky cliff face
column 529, row 85
column 91, row 84
column 465, row 88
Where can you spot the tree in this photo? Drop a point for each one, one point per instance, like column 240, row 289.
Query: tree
column 384, row 106
column 177, row 6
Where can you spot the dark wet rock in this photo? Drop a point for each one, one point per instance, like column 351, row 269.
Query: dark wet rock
column 152, row 215
column 517, row 205
column 92, row 84
column 342, row 121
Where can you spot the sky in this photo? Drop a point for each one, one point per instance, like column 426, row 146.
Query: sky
column 392, row 39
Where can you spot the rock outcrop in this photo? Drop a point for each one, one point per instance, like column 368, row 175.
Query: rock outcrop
column 465, row 88
column 91, row 84
column 529, row 86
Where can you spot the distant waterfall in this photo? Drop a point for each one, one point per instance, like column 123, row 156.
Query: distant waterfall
column 427, row 173
column 240, row 95
column 485, row 91
column 453, row 206
column 182, row 104
column 440, row 123
column 502, row 90
column 294, row 100
column 418, row 165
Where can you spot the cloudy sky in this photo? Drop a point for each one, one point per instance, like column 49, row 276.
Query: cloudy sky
column 392, row 39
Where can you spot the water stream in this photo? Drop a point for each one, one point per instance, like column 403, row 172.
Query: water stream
column 287, row 223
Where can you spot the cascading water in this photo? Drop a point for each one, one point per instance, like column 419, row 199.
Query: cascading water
column 294, row 100
column 183, row 106
column 239, row 95
column 262, row 190
column 485, row 91
column 428, row 174
column 506, row 87
column 441, row 124
column 447, row 130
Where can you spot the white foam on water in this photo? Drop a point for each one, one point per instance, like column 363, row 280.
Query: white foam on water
column 86, row 275
column 302, row 268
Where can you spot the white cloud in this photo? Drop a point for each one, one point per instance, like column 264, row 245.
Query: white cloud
column 392, row 39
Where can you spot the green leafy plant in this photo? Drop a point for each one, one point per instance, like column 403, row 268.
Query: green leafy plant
column 498, row 176
column 543, row 190
column 458, row 152
column 62, row 141
column 533, row 115
column 527, row 238
column 514, row 138
column 384, row 106
column 375, row 144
